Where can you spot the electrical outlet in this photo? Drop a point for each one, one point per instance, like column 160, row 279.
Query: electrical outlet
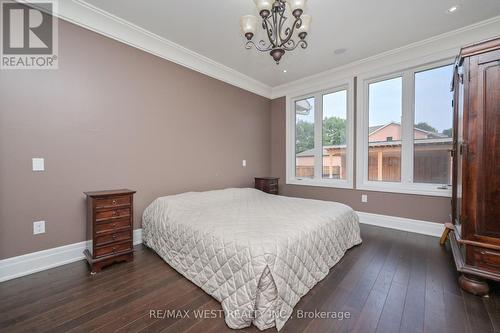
column 38, row 164
column 364, row 198
column 244, row 163
column 38, row 227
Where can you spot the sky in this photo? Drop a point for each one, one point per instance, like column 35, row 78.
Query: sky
column 433, row 97
column 334, row 105
column 432, row 100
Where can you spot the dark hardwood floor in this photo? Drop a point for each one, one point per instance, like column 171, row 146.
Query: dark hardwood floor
column 394, row 282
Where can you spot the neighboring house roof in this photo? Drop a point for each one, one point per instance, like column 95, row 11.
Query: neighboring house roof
column 432, row 141
column 373, row 129
column 432, row 134
column 433, row 138
column 419, row 142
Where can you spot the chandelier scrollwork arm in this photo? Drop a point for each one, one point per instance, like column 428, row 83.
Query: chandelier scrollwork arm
column 289, row 31
column 292, row 45
column 270, row 31
column 261, row 46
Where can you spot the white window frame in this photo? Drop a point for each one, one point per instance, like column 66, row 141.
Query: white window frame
column 318, row 179
column 407, row 123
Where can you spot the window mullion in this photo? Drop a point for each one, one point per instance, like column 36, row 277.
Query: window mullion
column 362, row 135
column 318, row 136
column 407, row 128
column 291, row 128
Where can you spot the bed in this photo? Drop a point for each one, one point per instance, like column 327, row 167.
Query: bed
column 255, row 253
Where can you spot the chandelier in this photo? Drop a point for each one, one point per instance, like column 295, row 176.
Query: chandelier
column 280, row 35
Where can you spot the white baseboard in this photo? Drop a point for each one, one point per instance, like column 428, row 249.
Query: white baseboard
column 137, row 236
column 30, row 263
column 401, row 223
column 14, row 267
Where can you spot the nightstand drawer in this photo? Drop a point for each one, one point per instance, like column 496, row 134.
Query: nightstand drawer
column 113, row 226
column 265, row 182
column 111, row 214
column 272, row 190
column 272, row 186
column 112, row 249
column 113, row 237
column 106, row 203
column 273, row 182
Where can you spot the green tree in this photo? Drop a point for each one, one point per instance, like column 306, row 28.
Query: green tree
column 334, row 131
column 448, row 132
column 304, row 136
column 426, row 127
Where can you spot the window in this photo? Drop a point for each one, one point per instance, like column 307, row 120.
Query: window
column 433, row 126
column 304, row 138
column 384, row 115
column 404, row 131
column 319, row 138
column 334, row 135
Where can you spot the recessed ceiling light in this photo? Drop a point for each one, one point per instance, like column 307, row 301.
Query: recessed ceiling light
column 340, row 51
column 284, row 71
column 453, row 9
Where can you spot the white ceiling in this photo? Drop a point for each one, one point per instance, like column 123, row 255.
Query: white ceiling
column 364, row 28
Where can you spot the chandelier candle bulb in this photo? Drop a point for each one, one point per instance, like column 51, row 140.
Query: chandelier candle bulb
column 249, row 25
column 297, row 7
column 264, row 7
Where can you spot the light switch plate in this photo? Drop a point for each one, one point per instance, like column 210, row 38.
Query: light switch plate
column 364, row 198
column 38, row 227
column 38, row 164
column 244, row 163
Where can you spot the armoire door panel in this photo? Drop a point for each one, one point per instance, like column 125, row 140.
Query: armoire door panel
column 488, row 221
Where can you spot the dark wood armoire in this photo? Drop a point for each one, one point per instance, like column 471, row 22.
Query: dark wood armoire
column 475, row 241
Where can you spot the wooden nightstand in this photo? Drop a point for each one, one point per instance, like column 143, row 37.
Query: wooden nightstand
column 267, row 184
column 110, row 216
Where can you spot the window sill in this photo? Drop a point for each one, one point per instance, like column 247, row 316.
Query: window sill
column 321, row 183
column 428, row 190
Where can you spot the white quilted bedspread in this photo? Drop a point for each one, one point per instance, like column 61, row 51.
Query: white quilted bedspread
column 256, row 253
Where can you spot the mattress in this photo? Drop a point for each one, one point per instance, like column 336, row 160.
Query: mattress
column 255, row 253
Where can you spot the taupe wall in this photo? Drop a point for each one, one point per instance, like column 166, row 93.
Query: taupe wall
column 418, row 207
column 112, row 117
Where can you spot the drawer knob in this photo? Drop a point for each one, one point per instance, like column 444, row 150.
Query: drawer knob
column 114, row 225
column 114, row 236
column 114, row 213
column 114, row 249
column 113, row 202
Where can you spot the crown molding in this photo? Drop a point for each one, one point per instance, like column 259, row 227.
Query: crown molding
column 436, row 48
column 92, row 18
